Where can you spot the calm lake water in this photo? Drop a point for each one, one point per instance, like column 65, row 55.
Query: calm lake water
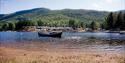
column 33, row 36
column 80, row 42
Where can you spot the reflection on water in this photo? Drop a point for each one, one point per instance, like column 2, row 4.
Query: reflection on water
column 98, row 35
column 33, row 36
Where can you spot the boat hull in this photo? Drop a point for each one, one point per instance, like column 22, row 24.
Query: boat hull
column 56, row 35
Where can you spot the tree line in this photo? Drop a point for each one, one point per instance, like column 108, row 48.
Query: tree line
column 114, row 21
column 71, row 23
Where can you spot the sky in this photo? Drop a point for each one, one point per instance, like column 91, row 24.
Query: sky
column 10, row 6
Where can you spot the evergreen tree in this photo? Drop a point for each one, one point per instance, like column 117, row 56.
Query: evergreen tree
column 102, row 26
column 11, row 26
column 114, row 22
column 5, row 26
column 72, row 23
column 122, row 26
column 119, row 21
column 123, row 22
column 0, row 26
column 40, row 23
column 109, row 21
column 82, row 24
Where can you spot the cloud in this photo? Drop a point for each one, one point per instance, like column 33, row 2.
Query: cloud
column 96, row 5
column 109, row 1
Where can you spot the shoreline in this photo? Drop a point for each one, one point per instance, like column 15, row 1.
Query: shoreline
column 107, row 31
column 64, row 52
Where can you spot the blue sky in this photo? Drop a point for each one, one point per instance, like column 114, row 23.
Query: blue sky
column 10, row 6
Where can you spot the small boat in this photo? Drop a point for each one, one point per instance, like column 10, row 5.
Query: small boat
column 122, row 32
column 52, row 34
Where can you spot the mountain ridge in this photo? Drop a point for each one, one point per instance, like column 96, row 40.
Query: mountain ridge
column 66, row 14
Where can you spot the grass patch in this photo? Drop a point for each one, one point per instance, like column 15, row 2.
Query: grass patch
column 6, row 60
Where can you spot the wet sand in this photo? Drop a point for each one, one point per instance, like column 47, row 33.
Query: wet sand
column 63, row 51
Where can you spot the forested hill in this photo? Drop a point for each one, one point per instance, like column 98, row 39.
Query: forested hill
column 55, row 15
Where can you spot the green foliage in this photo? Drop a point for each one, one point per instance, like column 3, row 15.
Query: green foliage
column 5, row 26
column 94, row 25
column 46, row 15
column 65, row 17
column 72, row 23
column 21, row 24
column 109, row 21
column 53, row 20
column 120, row 23
column 82, row 24
column 11, row 26
column 115, row 21
column 0, row 26
column 40, row 23
column 77, row 23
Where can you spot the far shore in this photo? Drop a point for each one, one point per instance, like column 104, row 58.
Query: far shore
column 108, row 31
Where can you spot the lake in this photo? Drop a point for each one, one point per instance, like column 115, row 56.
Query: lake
column 33, row 36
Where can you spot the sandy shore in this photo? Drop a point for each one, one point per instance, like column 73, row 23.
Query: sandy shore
column 64, row 52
